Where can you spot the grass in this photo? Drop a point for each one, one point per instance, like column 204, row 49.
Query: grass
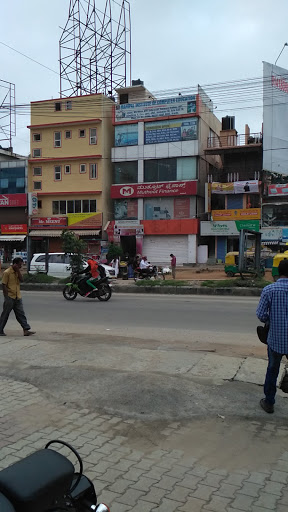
column 170, row 282
column 38, row 278
column 236, row 283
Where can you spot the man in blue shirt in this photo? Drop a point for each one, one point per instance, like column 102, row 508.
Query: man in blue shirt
column 273, row 308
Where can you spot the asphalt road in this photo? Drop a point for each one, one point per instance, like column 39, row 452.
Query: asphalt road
column 227, row 320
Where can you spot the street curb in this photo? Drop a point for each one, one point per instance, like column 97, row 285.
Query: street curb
column 167, row 290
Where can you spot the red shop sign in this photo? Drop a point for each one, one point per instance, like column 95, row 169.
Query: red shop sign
column 15, row 229
column 157, row 189
column 13, row 200
column 48, row 222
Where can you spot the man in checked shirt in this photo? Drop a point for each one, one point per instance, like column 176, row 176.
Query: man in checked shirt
column 273, row 308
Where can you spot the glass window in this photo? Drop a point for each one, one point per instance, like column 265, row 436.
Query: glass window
column 57, row 258
column 93, row 136
column 57, row 139
column 82, row 168
column 62, row 207
column 36, row 153
column 41, row 258
column 55, row 207
column 70, row 206
column 4, row 183
column 93, row 205
column 39, row 204
column 126, row 172
column 67, row 169
column 159, row 208
column 36, row 137
column 78, row 206
column 20, row 182
column 37, row 185
column 68, row 134
column 85, row 206
column 93, row 171
column 57, row 173
column 187, row 168
column 217, row 202
column 126, row 135
column 58, row 106
column 37, row 171
column 160, row 170
column 69, row 105
column 82, row 133
column 274, row 214
column 126, row 209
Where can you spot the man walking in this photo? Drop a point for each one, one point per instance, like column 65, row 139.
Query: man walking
column 273, row 308
column 12, row 298
column 173, row 265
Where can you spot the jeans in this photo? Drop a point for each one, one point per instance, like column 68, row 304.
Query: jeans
column 17, row 306
column 274, row 360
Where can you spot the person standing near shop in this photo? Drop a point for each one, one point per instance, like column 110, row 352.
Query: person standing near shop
column 173, row 265
column 12, row 297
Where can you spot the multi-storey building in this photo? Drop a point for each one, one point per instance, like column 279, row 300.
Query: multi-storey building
column 13, row 204
column 233, row 189
column 160, row 172
column 70, row 170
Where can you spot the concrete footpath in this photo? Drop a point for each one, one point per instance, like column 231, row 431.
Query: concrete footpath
column 207, row 457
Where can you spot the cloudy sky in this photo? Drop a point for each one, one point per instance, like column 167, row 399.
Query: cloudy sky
column 175, row 44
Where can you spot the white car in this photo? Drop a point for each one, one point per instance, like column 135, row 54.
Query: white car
column 59, row 265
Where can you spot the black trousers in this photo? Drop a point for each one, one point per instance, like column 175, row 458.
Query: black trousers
column 17, row 306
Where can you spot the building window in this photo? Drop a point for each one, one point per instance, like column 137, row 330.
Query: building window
column 82, row 168
column 126, row 209
column 36, row 137
column 126, row 172
column 37, row 171
column 74, row 206
column 68, row 105
column 36, row 153
column 57, row 173
column 68, row 134
column 67, row 169
column 57, row 139
column 126, row 135
column 39, row 204
column 82, row 134
column 37, row 185
column 160, row 170
column 93, row 136
column 93, row 172
column 58, row 106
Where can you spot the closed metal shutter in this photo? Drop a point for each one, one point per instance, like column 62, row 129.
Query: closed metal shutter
column 158, row 248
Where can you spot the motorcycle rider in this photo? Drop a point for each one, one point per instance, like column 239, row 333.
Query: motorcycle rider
column 93, row 270
column 144, row 266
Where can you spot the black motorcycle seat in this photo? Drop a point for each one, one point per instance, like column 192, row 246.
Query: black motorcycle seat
column 5, row 505
column 34, row 484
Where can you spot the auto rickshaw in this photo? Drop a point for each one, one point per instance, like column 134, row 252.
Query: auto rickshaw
column 276, row 260
column 232, row 262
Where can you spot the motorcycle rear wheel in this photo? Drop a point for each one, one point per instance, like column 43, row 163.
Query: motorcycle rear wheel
column 69, row 293
column 104, row 292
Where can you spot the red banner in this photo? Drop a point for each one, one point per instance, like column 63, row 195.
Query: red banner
column 13, row 200
column 168, row 188
column 182, row 208
column 48, row 222
column 13, row 229
column 278, row 190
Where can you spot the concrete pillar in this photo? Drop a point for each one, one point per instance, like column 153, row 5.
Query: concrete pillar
column 141, row 209
column 140, row 134
column 192, row 249
column 140, row 171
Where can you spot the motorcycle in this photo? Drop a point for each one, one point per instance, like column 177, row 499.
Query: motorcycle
column 78, row 285
column 46, row 481
column 152, row 272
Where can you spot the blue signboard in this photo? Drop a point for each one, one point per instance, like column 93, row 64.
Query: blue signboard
column 126, row 135
column 171, row 131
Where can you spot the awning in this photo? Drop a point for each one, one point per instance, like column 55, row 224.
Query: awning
column 50, row 233
column 270, row 242
column 12, row 238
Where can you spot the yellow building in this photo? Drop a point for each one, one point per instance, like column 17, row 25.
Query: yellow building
column 70, row 171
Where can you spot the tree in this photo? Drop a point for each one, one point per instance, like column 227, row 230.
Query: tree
column 114, row 251
column 75, row 247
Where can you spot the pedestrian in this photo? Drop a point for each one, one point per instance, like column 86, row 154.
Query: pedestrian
column 173, row 265
column 12, row 297
column 273, row 309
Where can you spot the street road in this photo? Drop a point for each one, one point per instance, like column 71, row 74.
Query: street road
column 219, row 319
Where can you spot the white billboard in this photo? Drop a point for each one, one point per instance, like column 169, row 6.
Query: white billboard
column 275, row 118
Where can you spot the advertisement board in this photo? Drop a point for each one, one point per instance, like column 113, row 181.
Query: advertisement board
column 126, row 135
column 228, row 228
column 48, row 222
column 171, row 131
column 157, row 189
column 84, row 220
column 278, row 190
column 271, row 234
column 182, row 208
column 13, row 200
column 247, row 214
column 237, row 187
column 275, row 118
column 13, row 229
column 156, row 108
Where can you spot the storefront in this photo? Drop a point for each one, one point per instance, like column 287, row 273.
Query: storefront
column 13, row 226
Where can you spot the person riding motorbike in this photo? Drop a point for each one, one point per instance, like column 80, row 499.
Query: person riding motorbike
column 93, row 270
column 144, row 266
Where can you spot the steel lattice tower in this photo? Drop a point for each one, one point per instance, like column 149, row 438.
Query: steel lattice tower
column 95, row 48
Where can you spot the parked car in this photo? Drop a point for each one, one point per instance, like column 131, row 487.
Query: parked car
column 59, row 265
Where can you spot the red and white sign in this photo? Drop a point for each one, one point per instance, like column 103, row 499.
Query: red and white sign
column 13, row 200
column 278, row 190
column 168, row 188
column 48, row 222
column 13, row 229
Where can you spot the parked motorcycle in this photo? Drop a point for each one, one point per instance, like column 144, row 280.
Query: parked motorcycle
column 78, row 285
column 46, row 481
column 152, row 272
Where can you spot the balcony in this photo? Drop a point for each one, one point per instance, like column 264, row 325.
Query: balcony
column 233, row 142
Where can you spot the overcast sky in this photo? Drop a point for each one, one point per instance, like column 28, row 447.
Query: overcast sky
column 175, row 44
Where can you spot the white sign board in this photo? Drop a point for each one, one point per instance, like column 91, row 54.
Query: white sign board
column 275, row 118
column 178, row 106
column 271, row 234
column 218, row 228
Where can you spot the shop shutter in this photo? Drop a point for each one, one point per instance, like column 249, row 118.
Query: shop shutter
column 158, row 248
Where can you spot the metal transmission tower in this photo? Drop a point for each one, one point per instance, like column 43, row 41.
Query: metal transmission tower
column 7, row 112
column 95, row 48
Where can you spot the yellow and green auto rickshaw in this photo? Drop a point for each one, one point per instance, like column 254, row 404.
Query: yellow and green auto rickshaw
column 276, row 260
column 232, row 262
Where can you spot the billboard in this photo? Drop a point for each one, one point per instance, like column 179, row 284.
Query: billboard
column 13, row 229
column 168, row 188
column 247, row 214
column 229, row 228
column 48, row 222
column 275, row 118
column 171, row 131
column 126, row 135
column 13, row 200
column 278, row 190
column 236, row 187
column 84, row 220
column 181, row 105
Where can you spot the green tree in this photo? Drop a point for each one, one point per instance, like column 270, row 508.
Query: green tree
column 75, row 247
column 114, row 251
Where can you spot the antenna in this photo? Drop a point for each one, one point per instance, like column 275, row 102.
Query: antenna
column 285, row 44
